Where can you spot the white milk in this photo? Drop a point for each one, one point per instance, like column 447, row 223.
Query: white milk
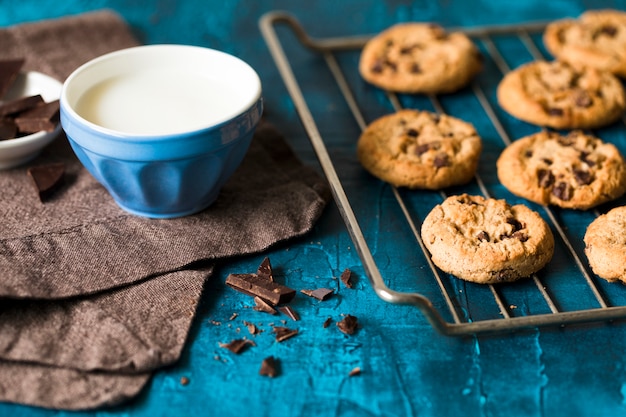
column 158, row 102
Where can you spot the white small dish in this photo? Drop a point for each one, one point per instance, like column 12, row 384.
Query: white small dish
column 18, row 151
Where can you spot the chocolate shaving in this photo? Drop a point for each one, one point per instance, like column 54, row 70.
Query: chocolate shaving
column 348, row 324
column 284, row 333
column 270, row 367
column 265, row 270
column 46, row 178
column 355, row 371
column 289, row 312
column 238, row 345
column 9, row 70
column 327, row 322
column 346, row 278
column 252, row 329
column 321, row 294
column 256, row 286
column 263, row 306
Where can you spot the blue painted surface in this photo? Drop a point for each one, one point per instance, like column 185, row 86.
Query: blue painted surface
column 407, row 368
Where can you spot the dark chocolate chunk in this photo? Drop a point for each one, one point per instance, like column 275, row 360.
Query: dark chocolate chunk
column 43, row 117
column 256, row 286
column 545, row 178
column 582, row 99
column 483, row 236
column 415, row 68
column 46, row 178
column 608, row 30
column 284, row 333
column 547, row 161
column 238, row 345
column 422, row 149
column 20, row 104
column 270, row 367
column 520, row 235
column 517, row 225
column 563, row 191
column 348, row 324
column 583, row 177
column 555, row 111
column 289, row 312
column 9, row 69
column 265, row 270
column 412, row 133
column 441, row 160
column 346, row 278
column 377, row 67
column 262, row 305
column 8, row 129
column 321, row 294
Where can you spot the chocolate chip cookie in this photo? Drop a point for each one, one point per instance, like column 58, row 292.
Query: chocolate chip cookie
column 563, row 96
column 605, row 245
column 577, row 170
column 487, row 241
column 419, row 58
column 420, row 149
column 596, row 39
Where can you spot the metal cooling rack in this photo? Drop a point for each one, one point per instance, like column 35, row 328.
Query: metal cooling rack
column 459, row 324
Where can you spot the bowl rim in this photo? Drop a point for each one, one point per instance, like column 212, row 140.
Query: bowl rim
column 70, row 112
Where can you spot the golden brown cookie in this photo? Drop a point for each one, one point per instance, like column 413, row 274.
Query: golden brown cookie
column 420, row 149
column 605, row 245
column 576, row 171
column 562, row 96
column 596, row 39
column 486, row 241
column 419, row 58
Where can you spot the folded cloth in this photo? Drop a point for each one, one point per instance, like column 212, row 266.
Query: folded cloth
column 93, row 299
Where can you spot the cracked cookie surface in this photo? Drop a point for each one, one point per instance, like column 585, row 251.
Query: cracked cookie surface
column 562, row 96
column 605, row 245
column 419, row 58
column 597, row 39
column 577, row 170
column 420, row 150
column 487, row 241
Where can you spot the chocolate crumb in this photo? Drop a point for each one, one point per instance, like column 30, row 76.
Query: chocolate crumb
column 270, row 367
column 263, row 306
column 46, row 178
column 289, row 312
column 321, row 294
column 233, row 316
column 346, row 278
column 284, row 333
column 348, row 324
column 327, row 322
column 545, row 178
column 238, row 345
column 355, row 371
column 184, row 380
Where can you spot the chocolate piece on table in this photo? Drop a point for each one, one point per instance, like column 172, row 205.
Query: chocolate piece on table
column 252, row 329
column 43, row 117
column 270, row 367
column 355, row 371
column 262, row 305
column 256, row 286
column 289, row 312
column 284, row 333
column 9, row 69
column 8, row 129
column 327, row 322
column 321, row 294
column 46, row 178
column 265, row 270
column 346, row 278
column 238, row 345
column 20, row 104
column 348, row 324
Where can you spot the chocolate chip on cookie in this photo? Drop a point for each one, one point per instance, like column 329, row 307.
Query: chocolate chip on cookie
column 576, row 170
column 419, row 58
column 563, row 96
column 419, row 149
column 487, row 241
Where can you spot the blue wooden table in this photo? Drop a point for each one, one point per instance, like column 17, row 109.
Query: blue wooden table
column 407, row 367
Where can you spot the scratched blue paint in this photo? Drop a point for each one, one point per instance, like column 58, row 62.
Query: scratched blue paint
column 407, row 368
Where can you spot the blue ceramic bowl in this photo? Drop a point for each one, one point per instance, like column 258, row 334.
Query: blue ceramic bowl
column 162, row 127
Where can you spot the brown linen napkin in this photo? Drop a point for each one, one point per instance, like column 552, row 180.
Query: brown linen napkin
column 93, row 299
